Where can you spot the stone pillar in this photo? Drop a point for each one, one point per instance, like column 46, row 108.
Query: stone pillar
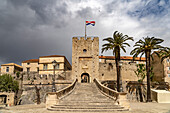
column 122, row 100
column 51, row 99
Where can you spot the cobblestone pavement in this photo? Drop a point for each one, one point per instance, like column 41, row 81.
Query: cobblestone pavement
column 135, row 108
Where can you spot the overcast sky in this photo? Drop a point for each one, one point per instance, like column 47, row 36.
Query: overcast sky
column 33, row 28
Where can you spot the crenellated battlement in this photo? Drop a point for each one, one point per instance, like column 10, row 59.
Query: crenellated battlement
column 88, row 38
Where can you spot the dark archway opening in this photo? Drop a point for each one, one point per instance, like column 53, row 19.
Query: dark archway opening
column 3, row 99
column 85, row 78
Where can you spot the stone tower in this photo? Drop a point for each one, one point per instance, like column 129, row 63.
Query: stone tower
column 85, row 58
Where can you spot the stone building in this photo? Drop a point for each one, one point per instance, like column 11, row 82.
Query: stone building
column 161, row 69
column 87, row 64
column 31, row 65
column 85, row 58
column 46, row 66
column 43, row 65
column 10, row 68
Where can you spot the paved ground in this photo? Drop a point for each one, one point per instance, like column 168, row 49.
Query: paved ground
column 135, row 108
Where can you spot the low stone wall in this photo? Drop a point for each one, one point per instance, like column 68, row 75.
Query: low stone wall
column 29, row 92
column 53, row 97
column 136, row 91
column 7, row 98
column 119, row 97
column 160, row 96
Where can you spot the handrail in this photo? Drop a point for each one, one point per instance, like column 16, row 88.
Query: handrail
column 119, row 97
column 53, row 97
column 66, row 90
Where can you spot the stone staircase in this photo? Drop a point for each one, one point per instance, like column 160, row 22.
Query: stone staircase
column 86, row 98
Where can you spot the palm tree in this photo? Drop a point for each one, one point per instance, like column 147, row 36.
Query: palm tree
column 164, row 53
column 116, row 43
column 146, row 47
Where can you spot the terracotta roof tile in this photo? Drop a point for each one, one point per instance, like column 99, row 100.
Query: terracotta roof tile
column 52, row 56
column 31, row 61
column 122, row 58
column 12, row 64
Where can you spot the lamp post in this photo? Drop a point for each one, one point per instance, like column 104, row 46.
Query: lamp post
column 120, row 65
column 53, row 84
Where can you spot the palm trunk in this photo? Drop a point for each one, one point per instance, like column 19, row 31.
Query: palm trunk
column 147, row 55
column 117, row 59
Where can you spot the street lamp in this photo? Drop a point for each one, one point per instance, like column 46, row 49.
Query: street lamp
column 120, row 65
column 53, row 84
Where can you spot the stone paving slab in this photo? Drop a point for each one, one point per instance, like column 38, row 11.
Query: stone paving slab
column 136, row 107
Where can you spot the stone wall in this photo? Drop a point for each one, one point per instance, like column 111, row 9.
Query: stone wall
column 29, row 93
column 158, row 68
column 107, row 71
column 35, row 78
column 161, row 69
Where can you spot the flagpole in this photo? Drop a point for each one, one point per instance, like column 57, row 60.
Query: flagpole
column 85, row 30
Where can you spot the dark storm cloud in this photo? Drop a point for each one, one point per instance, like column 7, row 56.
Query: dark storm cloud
column 33, row 28
column 27, row 29
column 45, row 11
column 85, row 12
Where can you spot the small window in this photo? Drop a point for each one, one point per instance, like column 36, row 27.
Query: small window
column 57, row 66
column 84, row 50
column 102, row 74
column 28, row 63
column 28, row 70
column 7, row 69
column 168, row 68
column 168, row 75
column 37, row 69
column 45, row 66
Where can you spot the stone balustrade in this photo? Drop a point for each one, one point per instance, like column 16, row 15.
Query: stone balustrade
column 52, row 98
column 119, row 97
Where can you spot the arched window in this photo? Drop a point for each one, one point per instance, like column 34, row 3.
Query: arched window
column 84, row 50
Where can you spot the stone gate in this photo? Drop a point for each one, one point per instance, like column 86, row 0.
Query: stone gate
column 85, row 58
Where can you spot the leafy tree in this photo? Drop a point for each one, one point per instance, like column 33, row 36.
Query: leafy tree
column 7, row 83
column 18, row 74
column 140, row 72
column 116, row 43
column 146, row 46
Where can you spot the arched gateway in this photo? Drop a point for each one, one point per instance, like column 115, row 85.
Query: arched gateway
column 85, row 78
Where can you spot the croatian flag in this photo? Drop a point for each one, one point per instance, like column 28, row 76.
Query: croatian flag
column 90, row 23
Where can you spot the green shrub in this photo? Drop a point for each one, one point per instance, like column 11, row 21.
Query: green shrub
column 8, row 84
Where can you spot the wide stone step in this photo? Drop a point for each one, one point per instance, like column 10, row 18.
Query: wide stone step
column 86, row 106
column 87, row 101
column 87, row 110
